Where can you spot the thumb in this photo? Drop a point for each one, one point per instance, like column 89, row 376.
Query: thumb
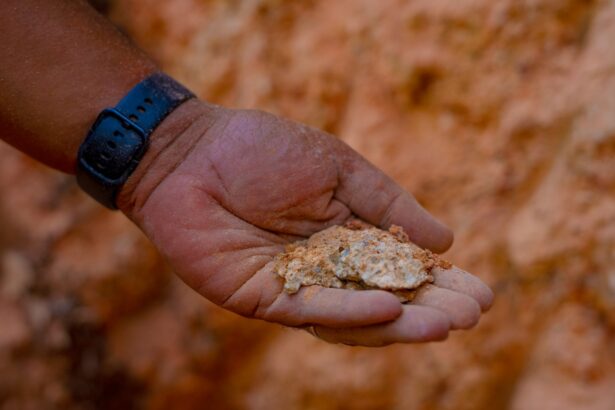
column 376, row 198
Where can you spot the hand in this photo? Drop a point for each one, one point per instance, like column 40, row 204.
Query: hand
column 221, row 191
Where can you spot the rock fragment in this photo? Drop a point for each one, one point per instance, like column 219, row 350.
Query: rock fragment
column 358, row 256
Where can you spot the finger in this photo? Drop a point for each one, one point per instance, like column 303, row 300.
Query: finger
column 464, row 282
column 416, row 324
column 376, row 198
column 333, row 307
column 462, row 310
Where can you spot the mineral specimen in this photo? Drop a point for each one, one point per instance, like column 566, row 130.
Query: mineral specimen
column 358, row 256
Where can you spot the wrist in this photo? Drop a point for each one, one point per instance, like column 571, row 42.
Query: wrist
column 169, row 144
column 113, row 88
column 120, row 136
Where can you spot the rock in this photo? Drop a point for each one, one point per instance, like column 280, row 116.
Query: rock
column 358, row 256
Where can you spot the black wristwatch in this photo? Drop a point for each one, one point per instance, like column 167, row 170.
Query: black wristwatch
column 119, row 137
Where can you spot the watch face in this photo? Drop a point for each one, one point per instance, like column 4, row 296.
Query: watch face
column 112, row 148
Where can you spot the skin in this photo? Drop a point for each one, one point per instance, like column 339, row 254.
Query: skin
column 250, row 182
column 221, row 191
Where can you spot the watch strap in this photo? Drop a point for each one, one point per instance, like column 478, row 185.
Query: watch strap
column 119, row 137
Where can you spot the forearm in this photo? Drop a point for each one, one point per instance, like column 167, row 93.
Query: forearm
column 62, row 63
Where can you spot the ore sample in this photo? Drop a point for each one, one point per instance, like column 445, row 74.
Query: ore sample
column 358, row 256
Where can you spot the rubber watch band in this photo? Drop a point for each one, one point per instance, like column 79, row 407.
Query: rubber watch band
column 119, row 137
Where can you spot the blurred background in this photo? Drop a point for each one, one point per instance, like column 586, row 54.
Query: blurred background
column 498, row 116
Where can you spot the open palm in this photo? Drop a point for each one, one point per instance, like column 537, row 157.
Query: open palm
column 234, row 187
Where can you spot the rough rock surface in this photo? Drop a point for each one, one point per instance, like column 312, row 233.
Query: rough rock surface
column 357, row 256
column 497, row 115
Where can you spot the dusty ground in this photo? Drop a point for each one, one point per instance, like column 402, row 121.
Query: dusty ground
column 497, row 115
